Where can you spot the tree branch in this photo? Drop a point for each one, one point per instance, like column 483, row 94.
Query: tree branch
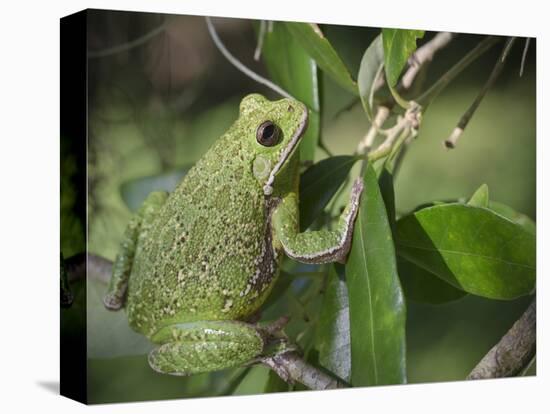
column 289, row 366
column 424, row 54
column 513, row 352
column 292, row 368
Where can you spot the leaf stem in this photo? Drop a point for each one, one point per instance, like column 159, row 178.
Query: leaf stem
column 452, row 73
column 366, row 143
column 467, row 116
column 405, row 126
column 261, row 37
column 524, row 56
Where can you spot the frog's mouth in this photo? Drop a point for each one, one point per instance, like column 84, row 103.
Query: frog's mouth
column 286, row 153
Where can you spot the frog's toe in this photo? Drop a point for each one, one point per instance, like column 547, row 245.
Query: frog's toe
column 112, row 302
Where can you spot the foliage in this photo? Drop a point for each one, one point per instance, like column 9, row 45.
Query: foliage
column 352, row 321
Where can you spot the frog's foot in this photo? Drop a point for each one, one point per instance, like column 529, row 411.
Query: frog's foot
column 112, row 301
column 205, row 346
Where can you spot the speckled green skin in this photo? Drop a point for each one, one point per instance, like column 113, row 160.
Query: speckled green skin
column 198, row 262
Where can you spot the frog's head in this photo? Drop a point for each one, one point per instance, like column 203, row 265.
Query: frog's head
column 273, row 132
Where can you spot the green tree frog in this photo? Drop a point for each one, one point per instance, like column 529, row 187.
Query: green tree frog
column 195, row 265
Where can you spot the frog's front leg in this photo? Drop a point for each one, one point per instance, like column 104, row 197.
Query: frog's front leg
column 122, row 267
column 205, row 346
column 322, row 246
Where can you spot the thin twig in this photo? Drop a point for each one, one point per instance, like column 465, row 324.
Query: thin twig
column 240, row 66
column 366, row 143
column 453, row 72
column 465, row 119
column 524, row 56
column 128, row 45
column 424, row 54
column 288, row 365
column 405, row 125
column 261, row 37
column 507, row 48
column 513, row 352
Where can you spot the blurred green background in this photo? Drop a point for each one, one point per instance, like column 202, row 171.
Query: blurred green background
column 155, row 108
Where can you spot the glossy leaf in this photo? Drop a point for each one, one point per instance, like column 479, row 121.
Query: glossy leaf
column 377, row 308
column 369, row 69
column 319, row 183
column 472, row 248
column 333, row 333
column 419, row 285
column 134, row 192
column 399, row 44
column 519, row 218
column 481, row 197
column 385, row 182
column 290, row 66
column 319, row 48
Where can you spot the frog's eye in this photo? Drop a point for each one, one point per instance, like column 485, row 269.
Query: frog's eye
column 267, row 134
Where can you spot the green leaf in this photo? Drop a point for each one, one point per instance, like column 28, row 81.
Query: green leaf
column 385, row 182
column 319, row 48
column 377, row 308
column 519, row 218
column 319, row 183
column 290, row 66
column 134, row 192
column 371, row 65
column 399, row 44
column 333, row 333
column 419, row 285
column 472, row 248
column 481, row 197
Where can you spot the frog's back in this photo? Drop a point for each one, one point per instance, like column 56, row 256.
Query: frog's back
column 204, row 257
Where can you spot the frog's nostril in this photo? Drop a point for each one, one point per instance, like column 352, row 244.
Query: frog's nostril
column 290, row 108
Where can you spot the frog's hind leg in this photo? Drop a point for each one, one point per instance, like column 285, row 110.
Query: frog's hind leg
column 205, row 346
column 122, row 267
